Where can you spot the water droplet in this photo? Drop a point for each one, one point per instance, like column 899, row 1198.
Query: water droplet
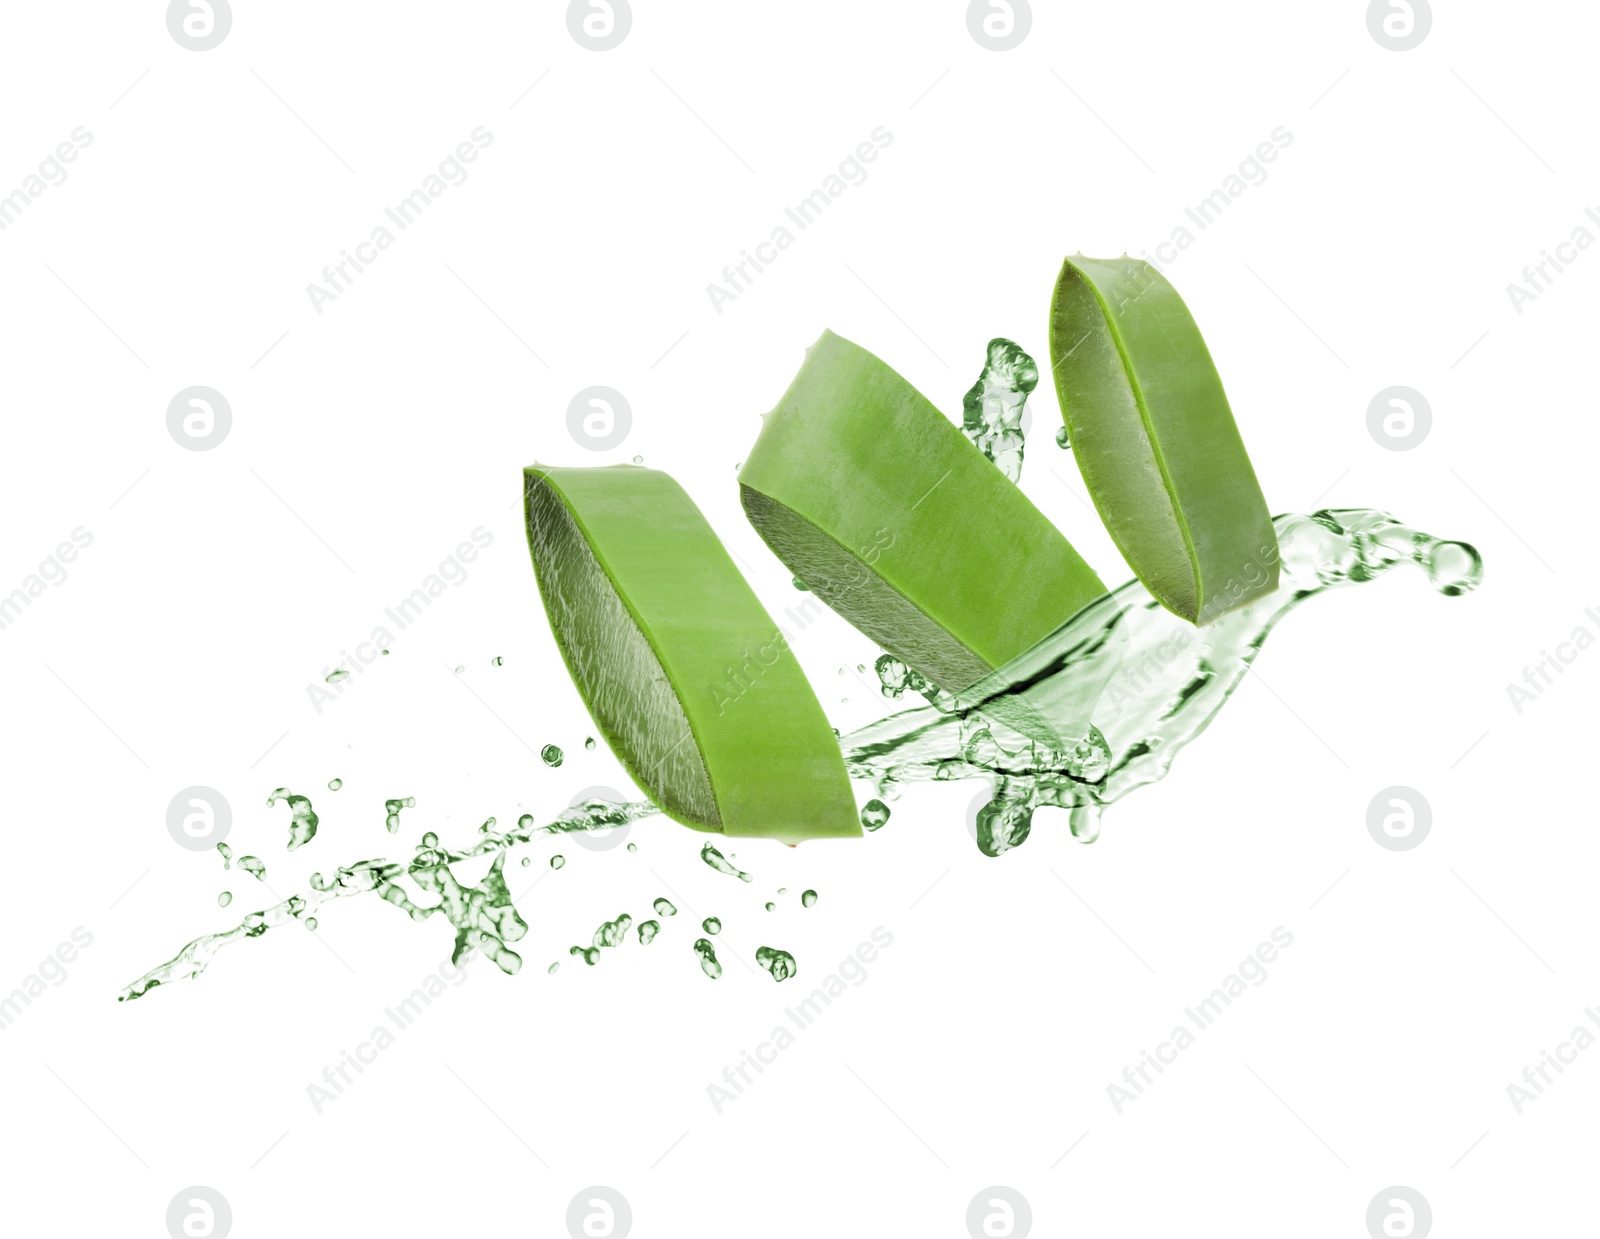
column 633, row 847
column 525, row 822
column 708, row 958
column 717, row 861
column 335, row 784
column 588, row 743
column 392, row 808
column 254, row 867
column 808, row 899
column 873, row 815
column 551, row 969
column 224, row 899
column 1454, row 568
column 638, row 460
column 311, row 922
column 1061, row 439
column 648, row 931
column 227, row 855
column 461, row 670
column 779, row 963
column 302, row 818
column 552, row 755
column 711, row 925
column 337, row 676
column 430, row 840
column 613, row 933
column 771, row 906
column 526, row 861
column 557, row 861
column 497, row 661
column 589, row 954
column 801, row 585
column 663, row 908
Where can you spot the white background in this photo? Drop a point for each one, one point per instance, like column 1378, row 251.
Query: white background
column 372, row 438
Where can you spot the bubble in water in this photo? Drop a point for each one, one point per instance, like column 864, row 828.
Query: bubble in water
column 708, row 958
column 648, row 931
column 224, row 899
column 711, row 925
column 557, row 861
column 663, row 908
column 717, row 861
column 552, row 755
column 392, row 808
column 873, row 815
column 779, row 963
column 337, row 676
column 808, row 899
column 335, row 784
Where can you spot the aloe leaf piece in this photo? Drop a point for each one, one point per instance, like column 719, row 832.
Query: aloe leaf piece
column 685, row 674
column 1155, row 439
column 877, row 501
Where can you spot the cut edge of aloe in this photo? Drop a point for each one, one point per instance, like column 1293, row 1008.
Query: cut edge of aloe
column 634, row 692
column 854, row 456
column 1156, row 471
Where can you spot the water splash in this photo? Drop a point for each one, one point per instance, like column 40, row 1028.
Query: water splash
column 482, row 915
column 1105, row 703
column 303, row 820
column 991, row 413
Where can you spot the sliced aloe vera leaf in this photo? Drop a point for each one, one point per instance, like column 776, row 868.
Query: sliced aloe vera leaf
column 1155, row 439
column 878, row 502
column 685, row 674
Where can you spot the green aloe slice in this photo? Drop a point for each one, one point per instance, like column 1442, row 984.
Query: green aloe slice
column 687, row 677
column 1147, row 418
column 876, row 501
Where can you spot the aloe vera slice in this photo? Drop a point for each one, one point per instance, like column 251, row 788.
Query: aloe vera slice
column 1155, row 440
column 686, row 676
column 878, row 502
